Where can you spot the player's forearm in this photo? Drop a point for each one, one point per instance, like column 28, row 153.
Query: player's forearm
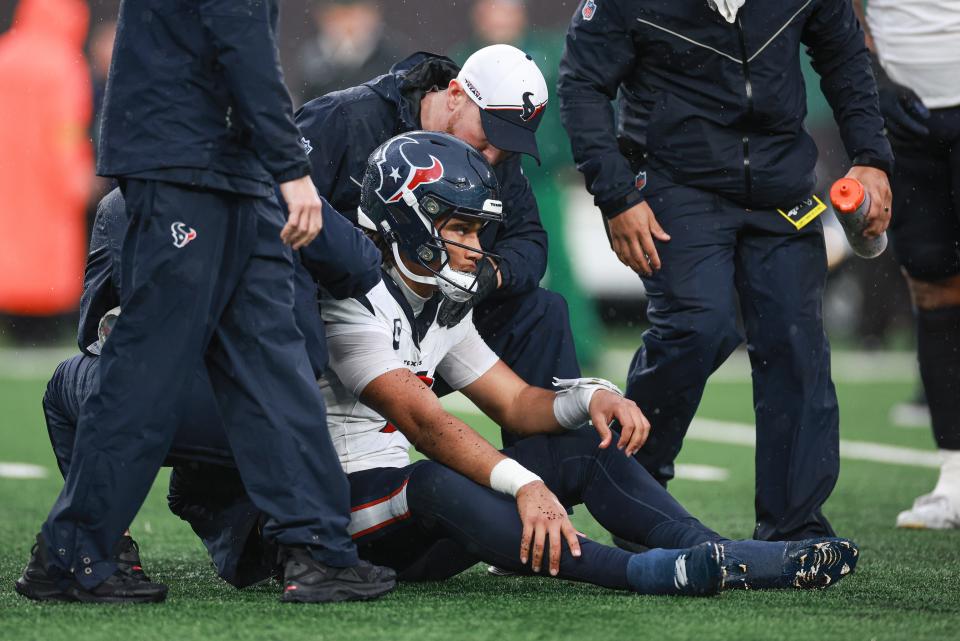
column 531, row 413
column 446, row 439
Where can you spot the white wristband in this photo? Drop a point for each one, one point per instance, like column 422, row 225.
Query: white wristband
column 508, row 477
column 571, row 407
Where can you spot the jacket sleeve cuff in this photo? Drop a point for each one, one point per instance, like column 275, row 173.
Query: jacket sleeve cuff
column 616, row 206
column 882, row 163
column 299, row 170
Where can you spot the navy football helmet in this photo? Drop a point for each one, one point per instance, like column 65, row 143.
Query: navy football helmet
column 414, row 184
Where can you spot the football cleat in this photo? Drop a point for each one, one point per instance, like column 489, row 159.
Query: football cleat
column 930, row 512
column 819, row 563
column 306, row 580
column 803, row 565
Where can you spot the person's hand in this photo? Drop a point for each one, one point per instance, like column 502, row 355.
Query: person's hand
column 634, row 427
column 631, row 236
column 452, row 312
column 904, row 113
column 543, row 517
column 306, row 217
column 877, row 185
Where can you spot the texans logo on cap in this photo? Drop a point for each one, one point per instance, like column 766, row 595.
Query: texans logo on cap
column 398, row 180
column 530, row 111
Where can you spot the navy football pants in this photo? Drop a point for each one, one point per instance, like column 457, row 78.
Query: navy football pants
column 430, row 523
column 721, row 253
column 226, row 295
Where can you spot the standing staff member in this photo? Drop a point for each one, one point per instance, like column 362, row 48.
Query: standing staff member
column 198, row 127
column 918, row 47
column 709, row 195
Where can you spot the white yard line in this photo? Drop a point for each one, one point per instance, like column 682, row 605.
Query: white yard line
column 846, row 366
column 733, row 433
column 22, row 471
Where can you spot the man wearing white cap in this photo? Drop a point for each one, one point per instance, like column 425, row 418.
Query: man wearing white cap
column 495, row 103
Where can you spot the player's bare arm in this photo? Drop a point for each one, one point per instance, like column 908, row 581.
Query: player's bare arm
column 527, row 410
column 414, row 409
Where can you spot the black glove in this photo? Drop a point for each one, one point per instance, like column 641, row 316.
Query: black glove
column 903, row 112
column 452, row 313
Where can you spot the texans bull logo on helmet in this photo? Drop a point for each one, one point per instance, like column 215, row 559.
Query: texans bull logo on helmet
column 421, row 169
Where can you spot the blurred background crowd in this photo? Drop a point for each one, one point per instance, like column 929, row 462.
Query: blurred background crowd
column 54, row 58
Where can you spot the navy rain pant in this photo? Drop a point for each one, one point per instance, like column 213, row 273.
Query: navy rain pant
column 720, row 251
column 205, row 275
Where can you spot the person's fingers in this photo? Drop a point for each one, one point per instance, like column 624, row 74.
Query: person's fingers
column 289, row 228
column 650, row 249
column 571, row 535
column 539, row 534
column 658, row 231
column 640, row 432
column 556, row 546
column 602, row 425
column 525, row 537
column 627, row 429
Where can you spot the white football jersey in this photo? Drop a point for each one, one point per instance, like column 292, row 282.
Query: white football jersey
column 378, row 333
column 918, row 43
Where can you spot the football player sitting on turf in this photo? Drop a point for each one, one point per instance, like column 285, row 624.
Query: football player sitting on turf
column 428, row 195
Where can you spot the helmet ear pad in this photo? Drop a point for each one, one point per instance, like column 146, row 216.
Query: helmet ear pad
column 413, row 184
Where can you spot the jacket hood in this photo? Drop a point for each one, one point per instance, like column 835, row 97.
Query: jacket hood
column 64, row 20
column 408, row 80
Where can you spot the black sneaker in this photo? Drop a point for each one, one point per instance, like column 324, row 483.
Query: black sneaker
column 306, row 580
column 35, row 582
column 127, row 555
column 121, row 587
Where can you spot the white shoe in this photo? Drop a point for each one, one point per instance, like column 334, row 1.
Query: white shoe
column 930, row 512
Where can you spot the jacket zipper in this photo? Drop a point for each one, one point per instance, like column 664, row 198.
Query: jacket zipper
column 748, row 86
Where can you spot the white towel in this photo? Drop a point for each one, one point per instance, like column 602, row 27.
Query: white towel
column 727, row 8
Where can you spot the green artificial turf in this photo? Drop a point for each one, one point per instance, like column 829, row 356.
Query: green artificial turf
column 907, row 585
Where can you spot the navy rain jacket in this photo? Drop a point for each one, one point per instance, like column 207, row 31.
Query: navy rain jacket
column 713, row 105
column 342, row 128
column 341, row 260
column 195, row 95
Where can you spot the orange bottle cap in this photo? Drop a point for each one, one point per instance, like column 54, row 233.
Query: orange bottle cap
column 847, row 195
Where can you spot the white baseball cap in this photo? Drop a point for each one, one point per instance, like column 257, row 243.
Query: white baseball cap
column 508, row 87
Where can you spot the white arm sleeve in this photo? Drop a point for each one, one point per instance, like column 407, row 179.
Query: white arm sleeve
column 469, row 359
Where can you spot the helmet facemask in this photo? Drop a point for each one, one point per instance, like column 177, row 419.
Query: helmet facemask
column 432, row 253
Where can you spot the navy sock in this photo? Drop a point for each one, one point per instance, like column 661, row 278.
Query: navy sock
column 938, row 351
column 653, row 572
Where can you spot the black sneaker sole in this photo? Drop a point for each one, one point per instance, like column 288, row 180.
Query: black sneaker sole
column 88, row 597
column 40, row 591
column 337, row 593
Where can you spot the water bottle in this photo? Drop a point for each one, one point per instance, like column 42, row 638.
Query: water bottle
column 851, row 203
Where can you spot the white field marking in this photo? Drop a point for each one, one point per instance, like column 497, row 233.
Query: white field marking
column 22, row 471
column 731, row 433
column 32, row 363
column 846, row 366
column 694, row 472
